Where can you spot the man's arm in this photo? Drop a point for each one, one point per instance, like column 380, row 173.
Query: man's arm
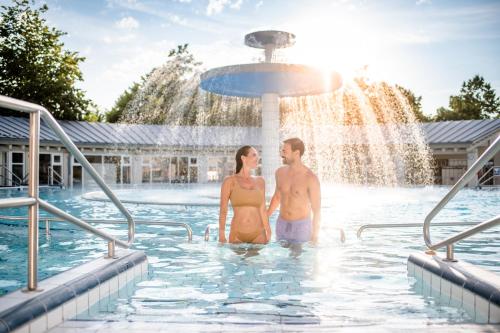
column 275, row 200
column 263, row 212
column 315, row 197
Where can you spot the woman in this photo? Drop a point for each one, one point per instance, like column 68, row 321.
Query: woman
column 247, row 195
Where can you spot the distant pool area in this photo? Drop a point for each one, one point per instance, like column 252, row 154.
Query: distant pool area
column 201, row 281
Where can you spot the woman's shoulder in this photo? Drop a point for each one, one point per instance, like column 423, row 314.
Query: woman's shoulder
column 228, row 179
column 260, row 180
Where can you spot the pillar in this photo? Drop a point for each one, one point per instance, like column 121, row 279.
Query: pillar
column 472, row 156
column 270, row 139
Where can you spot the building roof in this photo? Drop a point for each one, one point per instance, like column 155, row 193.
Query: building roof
column 104, row 134
column 461, row 131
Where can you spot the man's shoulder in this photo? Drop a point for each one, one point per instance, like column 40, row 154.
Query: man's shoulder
column 282, row 169
column 311, row 175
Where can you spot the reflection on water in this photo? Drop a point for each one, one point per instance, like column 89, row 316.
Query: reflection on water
column 334, row 284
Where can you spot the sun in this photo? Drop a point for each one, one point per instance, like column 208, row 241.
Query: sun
column 340, row 43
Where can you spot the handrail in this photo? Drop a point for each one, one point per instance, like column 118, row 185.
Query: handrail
column 492, row 170
column 54, row 172
column 408, row 225
column 36, row 112
column 20, row 181
column 469, row 174
column 485, row 174
column 145, row 222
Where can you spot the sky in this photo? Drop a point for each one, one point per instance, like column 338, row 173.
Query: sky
column 428, row 46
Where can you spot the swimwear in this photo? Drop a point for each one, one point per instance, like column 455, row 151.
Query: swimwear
column 241, row 197
column 249, row 237
column 299, row 231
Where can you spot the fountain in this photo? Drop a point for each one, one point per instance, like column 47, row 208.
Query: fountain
column 269, row 81
column 364, row 132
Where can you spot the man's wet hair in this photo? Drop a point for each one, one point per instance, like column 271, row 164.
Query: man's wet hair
column 296, row 144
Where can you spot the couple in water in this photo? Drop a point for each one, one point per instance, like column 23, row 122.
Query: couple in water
column 297, row 193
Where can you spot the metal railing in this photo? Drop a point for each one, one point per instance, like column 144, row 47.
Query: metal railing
column 466, row 178
column 33, row 202
column 52, row 173
column 48, row 220
column 408, row 225
column 12, row 176
column 491, row 170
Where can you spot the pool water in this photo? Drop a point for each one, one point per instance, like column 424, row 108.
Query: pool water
column 357, row 283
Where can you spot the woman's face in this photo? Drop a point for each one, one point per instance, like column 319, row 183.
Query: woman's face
column 252, row 159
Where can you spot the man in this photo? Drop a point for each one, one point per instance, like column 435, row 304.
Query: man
column 297, row 193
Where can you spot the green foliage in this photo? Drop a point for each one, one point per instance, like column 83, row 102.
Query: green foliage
column 114, row 115
column 165, row 95
column 477, row 100
column 35, row 67
column 415, row 103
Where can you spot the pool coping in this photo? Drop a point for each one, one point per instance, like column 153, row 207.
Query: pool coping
column 63, row 296
column 459, row 283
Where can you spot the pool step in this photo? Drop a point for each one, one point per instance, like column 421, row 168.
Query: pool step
column 458, row 284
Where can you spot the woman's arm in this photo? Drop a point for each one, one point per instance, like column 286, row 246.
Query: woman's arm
column 275, row 200
column 224, row 200
column 263, row 212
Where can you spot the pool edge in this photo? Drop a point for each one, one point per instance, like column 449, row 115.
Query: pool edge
column 458, row 284
column 63, row 296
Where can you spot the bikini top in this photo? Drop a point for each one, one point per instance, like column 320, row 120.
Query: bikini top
column 241, row 197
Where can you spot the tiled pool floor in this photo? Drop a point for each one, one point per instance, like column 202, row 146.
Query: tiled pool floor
column 140, row 327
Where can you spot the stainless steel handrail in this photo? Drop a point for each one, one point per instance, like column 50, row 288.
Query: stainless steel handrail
column 469, row 174
column 20, row 181
column 54, row 172
column 49, row 219
column 489, row 178
column 484, row 175
column 36, row 112
column 408, row 225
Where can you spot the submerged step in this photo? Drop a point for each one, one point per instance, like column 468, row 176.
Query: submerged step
column 71, row 293
column 458, row 284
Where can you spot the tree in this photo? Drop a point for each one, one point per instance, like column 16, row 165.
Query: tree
column 415, row 103
column 114, row 115
column 34, row 65
column 477, row 100
column 166, row 94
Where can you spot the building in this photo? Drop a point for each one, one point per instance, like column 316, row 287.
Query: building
column 135, row 154
column 456, row 145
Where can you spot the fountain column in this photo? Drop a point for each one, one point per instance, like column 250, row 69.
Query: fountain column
column 268, row 80
column 270, row 139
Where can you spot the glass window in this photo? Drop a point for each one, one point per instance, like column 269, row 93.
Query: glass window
column 183, row 170
column 126, row 175
column 173, row 170
column 146, row 173
column 94, row 159
column 193, row 160
column 17, row 170
column 77, row 175
column 193, row 174
column 57, row 159
column 126, row 160
column 112, row 166
column 17, row 157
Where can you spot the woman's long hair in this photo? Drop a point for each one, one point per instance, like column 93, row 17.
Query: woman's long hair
column 243, row 151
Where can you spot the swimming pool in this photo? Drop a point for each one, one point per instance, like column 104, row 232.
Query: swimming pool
column 358, row 283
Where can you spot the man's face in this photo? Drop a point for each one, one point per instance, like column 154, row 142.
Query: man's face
column 286, row 154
